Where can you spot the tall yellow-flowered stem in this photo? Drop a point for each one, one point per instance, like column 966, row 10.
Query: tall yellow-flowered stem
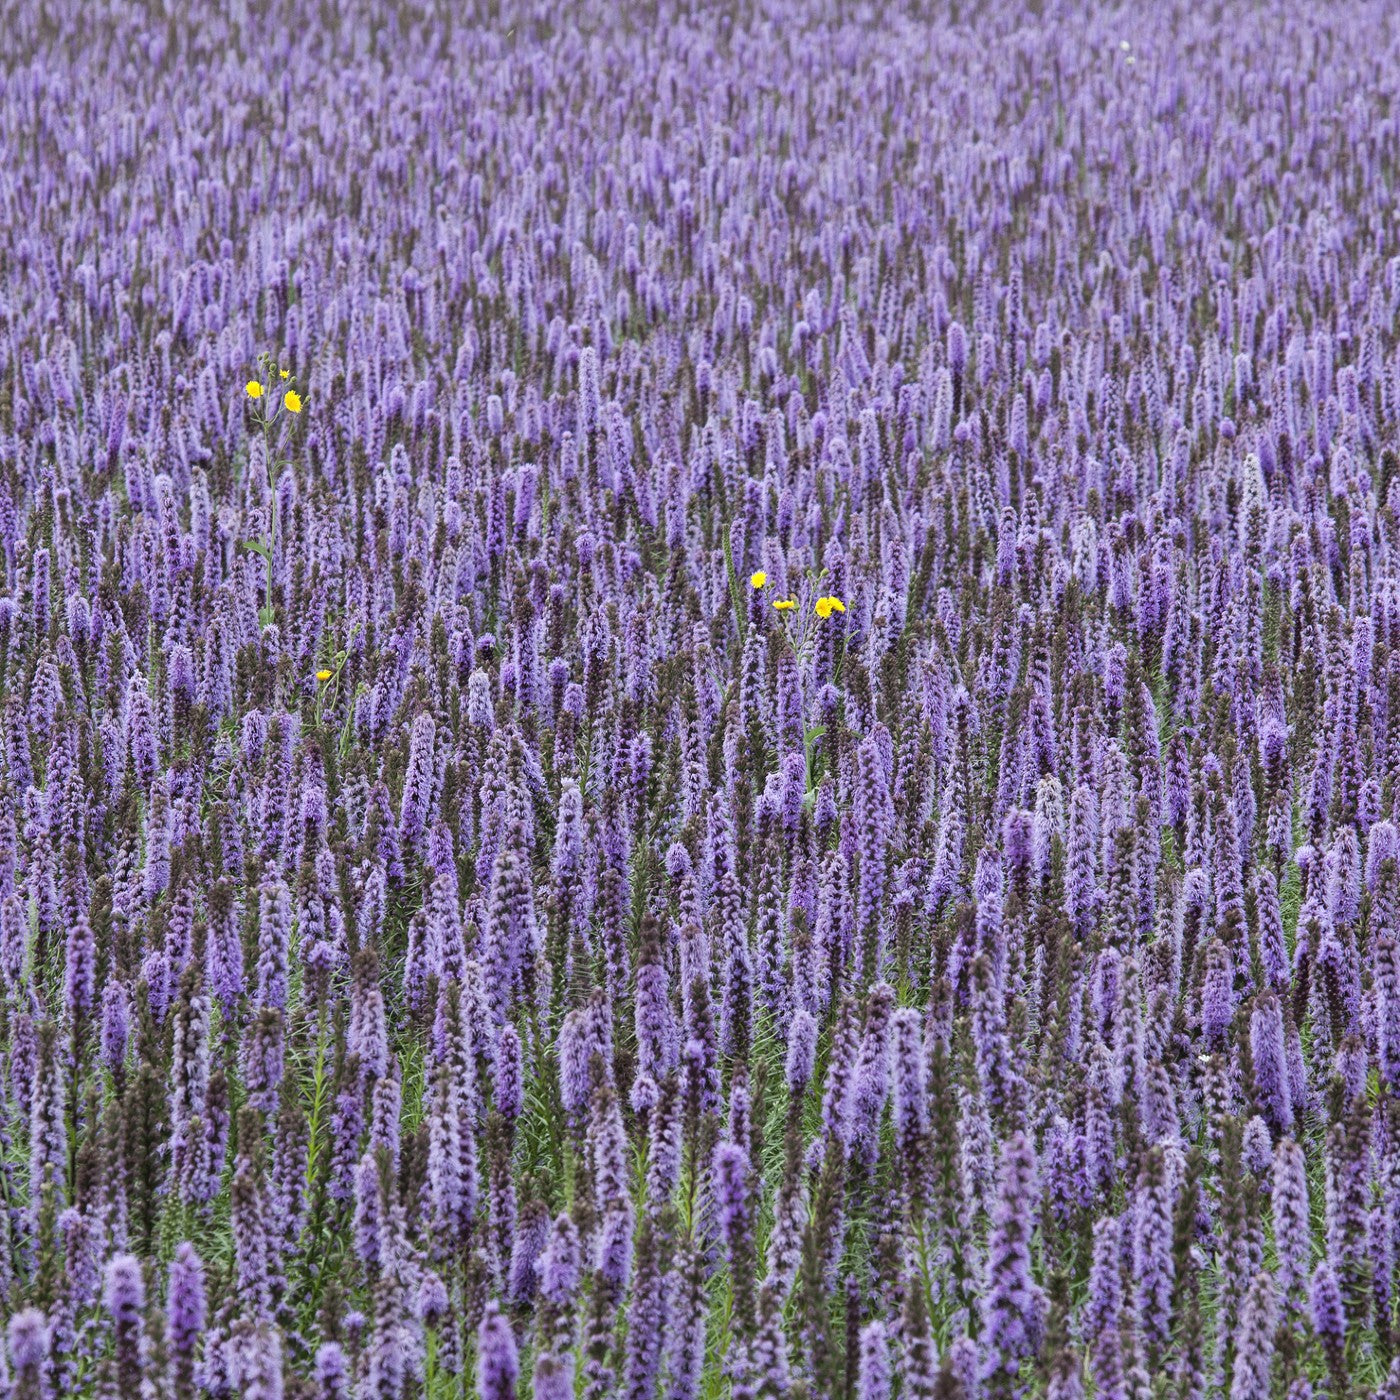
column 267, row 415
column 810, row 733
column 328, row 678
column 823, row 608
column 267, row 543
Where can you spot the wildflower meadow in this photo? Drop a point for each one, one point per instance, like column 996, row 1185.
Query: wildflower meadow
column 699, row 700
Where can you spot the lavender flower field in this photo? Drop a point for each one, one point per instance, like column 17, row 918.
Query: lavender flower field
column 699, row 701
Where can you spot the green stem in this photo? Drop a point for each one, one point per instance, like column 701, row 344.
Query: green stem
column 317, row 1098
column 267, row 558
column 734, row 594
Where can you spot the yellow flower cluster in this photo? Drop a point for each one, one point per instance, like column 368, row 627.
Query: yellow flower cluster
column 291, row 400
column 824, row 606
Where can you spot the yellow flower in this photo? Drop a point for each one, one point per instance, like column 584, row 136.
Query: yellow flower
column 759, row 579
column 828, row 605
column 783, row 604
column 254, row 389
column 323, row 675
column 285, row 373
column 292, row 399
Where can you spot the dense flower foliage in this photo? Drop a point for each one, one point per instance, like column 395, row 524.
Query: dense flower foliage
column 699, row 700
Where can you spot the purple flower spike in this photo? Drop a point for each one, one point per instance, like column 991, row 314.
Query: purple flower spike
column 498, row 1362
